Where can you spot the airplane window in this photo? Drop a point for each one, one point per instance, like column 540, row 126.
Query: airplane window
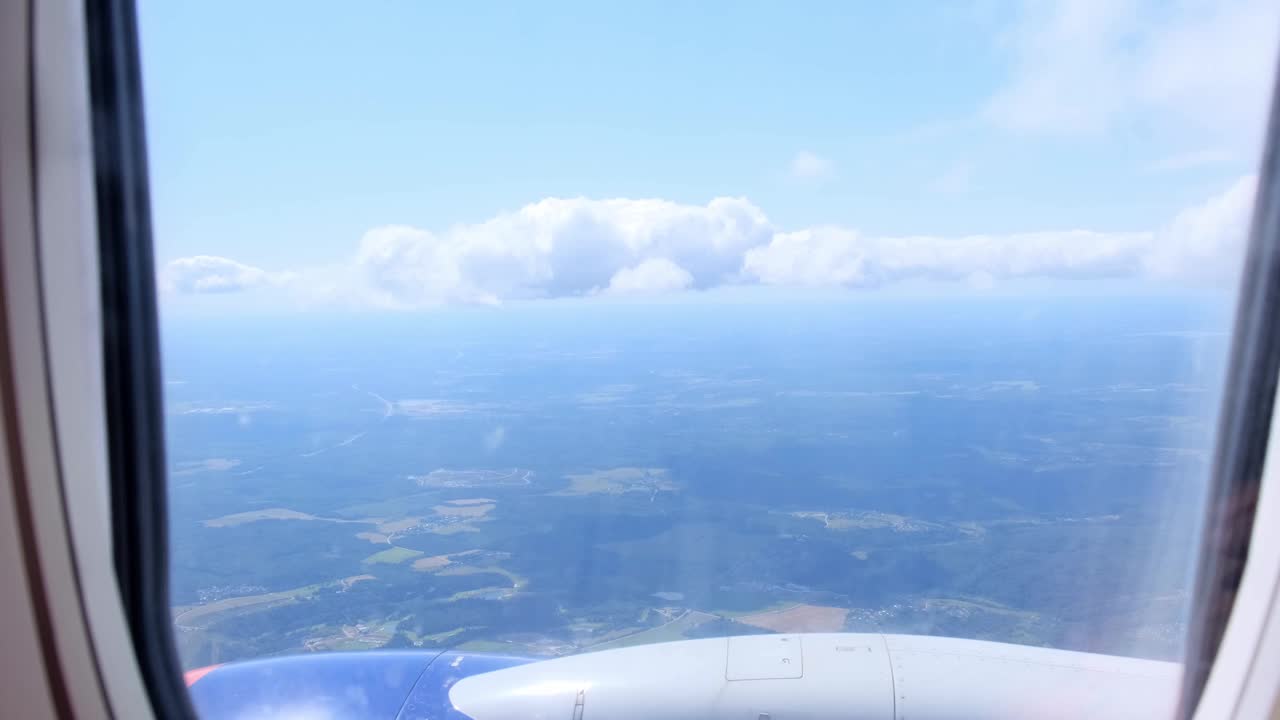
column 700, row 359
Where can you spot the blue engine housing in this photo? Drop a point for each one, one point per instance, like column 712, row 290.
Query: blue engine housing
column 378, row 685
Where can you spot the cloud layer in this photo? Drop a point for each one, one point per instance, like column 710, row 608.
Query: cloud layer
column 581, row 247
column 212, row 274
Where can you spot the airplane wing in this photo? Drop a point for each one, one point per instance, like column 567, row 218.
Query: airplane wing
column 757, row 677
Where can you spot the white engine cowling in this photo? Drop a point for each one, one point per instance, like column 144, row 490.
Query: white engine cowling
column 830, row 675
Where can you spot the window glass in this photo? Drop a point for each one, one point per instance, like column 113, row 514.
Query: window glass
column 560, row 328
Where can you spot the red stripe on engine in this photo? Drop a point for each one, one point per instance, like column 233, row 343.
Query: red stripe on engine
column 191, row 676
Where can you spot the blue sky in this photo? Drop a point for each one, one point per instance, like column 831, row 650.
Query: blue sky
column 283, row 134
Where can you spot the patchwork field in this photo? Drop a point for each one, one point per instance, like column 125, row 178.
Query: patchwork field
column 443, row 478
column 186, row 617
column 467, row 511
column 867, row 520
column 257, row 515
column 392, row 556
column 435, row 562
column 799, row 618
column 619, row 480
column 672, row 630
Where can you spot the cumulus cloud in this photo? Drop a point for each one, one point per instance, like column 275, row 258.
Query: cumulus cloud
column 810, row 166
column 654, row 275
column 1079, row 66
column 563, row 247
column 213, row 274
column 579, row 247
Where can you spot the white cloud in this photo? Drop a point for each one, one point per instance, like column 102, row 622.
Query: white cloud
column 1081, row 66
column 580, row 247
column 810, row 166
column 653, row 275
column 213, row 274
column 1205, row 242
column 1212, row 64
column 835, row 256
column 1201, row 244
column 562, row 247
column 1066, row 56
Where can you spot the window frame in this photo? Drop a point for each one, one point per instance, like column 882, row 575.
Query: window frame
column 135, row 422
column 1244, row 428
column 131, row 363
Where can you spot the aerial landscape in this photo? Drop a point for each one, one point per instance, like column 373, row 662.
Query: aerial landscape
column 558, row 478
column 566, row 328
